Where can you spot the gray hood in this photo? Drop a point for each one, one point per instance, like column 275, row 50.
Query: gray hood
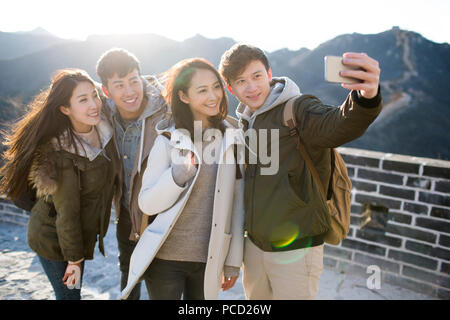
column 281, row 90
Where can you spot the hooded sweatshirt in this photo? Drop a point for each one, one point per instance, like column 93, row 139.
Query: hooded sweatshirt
column 282, row 89
column 285, row 209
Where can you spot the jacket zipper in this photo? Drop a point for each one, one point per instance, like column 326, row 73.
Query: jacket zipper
column 253, row 175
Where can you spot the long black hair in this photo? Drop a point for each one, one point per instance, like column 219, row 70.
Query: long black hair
column 39, row 125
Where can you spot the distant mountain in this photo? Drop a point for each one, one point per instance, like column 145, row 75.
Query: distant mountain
column 414, row 80
column 39, row 31
column 18, row 44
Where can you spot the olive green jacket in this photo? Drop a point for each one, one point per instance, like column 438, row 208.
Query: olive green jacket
column 80, row 186
column 285, row 210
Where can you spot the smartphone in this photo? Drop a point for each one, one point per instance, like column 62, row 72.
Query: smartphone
column 334, row 65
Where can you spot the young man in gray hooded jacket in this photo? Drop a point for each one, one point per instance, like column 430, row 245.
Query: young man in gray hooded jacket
column 133, row 106
column 286, row 215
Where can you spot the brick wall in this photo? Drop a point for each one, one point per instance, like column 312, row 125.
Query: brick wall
column 10, row 213
column 408, row 233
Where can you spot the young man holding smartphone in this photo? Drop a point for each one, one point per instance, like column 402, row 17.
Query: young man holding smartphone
column 286, row 216
column 133, row 106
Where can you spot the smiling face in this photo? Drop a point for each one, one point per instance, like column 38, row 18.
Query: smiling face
column 127, row 93
column 85, row 107
column 204, row 95
column 252, row 86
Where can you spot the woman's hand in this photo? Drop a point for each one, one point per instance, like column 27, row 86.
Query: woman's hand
column 72, row 276
column 184, row 167
column 228, row 282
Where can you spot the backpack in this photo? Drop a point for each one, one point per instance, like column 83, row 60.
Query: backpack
column 27, row 198
column 338, row 198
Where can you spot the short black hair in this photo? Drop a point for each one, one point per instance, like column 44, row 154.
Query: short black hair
column 116, row 60
column 237, row 58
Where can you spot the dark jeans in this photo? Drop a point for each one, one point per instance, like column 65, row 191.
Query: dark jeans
column 55, row 272
column 126, row 248
column 168, row 280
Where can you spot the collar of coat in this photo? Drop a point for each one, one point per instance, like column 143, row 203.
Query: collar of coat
column 105, row 133
column 180, row 139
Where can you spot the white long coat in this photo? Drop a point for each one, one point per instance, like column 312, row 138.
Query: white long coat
column 162, row 196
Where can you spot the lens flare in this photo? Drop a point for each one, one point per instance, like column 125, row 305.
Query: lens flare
column 285, row 235
column 291, row 233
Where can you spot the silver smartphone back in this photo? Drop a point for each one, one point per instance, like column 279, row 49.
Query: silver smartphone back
column 333, row 66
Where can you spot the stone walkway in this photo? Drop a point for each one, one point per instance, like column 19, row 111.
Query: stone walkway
column 22, row 277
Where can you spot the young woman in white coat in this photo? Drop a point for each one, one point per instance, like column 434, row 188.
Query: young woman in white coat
column 193, row 187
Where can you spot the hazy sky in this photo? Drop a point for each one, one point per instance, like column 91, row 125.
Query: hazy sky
column 270, row 24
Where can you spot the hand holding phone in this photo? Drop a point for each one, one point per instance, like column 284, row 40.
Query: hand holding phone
column 355, row 71
column 333, row 68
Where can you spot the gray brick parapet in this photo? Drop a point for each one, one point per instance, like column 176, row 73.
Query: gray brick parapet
column 413, row 248
column 10, row 213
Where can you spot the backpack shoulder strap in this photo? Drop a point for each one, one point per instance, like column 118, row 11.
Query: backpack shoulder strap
column 289, row 116
column 289, row 120
column 310, row 164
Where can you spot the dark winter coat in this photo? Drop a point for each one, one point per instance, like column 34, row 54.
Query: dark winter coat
column 285, row 210
column 74, row 195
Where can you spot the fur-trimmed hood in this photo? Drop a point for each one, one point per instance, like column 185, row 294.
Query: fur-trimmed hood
column 43, row 174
